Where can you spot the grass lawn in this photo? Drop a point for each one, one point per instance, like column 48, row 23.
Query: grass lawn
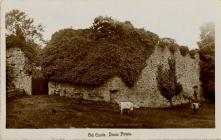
column 45, row 111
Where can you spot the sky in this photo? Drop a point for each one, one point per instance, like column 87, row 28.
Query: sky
column 177, row 19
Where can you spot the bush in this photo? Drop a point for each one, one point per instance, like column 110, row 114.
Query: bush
column 193, row 53
column 207, row 74
column 173, row 48
column 167, row 81
column 207, row 57
column 184, row 50
column 170, row 43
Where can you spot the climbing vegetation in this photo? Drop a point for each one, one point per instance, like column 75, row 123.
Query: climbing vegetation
column 167, row 80
column 207, row 57
column 93, row 55
column 169, row 43
column 184, row 50
column 193, row 52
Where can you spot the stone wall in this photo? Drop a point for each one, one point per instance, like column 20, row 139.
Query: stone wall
column 87, row 93
column 145, row 92
column 187, row 70
column 16, row 59
column 113, row 90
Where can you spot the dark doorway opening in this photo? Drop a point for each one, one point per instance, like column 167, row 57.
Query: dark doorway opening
column 39, row 86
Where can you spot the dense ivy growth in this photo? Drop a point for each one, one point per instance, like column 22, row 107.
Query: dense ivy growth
column 169, row 43
column 29, row 49
column 91, row 56
column 9, row 76
column 184, row 50
column 167, row 80
column 207, row 57
column 193, row 52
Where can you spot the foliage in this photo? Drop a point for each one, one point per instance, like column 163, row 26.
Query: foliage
column 167, row 80
column 91, row 56
column 22, row 33
column 173, row 48
column 163, row 42
column 30, row 50
column 170, row 43
column 110, row 29
column 17, row 19
column 207, row 56
column 9, row 76
column 184, row 50
column 193, row 53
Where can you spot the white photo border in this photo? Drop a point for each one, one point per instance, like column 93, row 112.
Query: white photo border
column 55, row 134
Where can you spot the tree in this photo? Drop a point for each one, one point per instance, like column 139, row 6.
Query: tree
column 184, row 50
column 16, row 19
column 106, row 27
column 113, row 30
column 167, row 81
column 23, row 33
column 207, row 56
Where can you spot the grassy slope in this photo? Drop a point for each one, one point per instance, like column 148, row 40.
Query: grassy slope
column 37, row 112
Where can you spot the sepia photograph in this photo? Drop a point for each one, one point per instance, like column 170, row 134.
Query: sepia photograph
column 76, row 64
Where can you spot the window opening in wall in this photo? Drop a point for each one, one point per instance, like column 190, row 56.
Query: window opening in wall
column 113, row 90
column 113, row 93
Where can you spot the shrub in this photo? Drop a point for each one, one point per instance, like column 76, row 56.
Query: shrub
column 167, row 81
column 207, row 57
column 184, row 50
column 173, row 48
column 193, row 53
column 170, row 43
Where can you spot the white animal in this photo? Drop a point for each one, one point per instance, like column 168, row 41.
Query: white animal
column 127, row 105
column 195, row 106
